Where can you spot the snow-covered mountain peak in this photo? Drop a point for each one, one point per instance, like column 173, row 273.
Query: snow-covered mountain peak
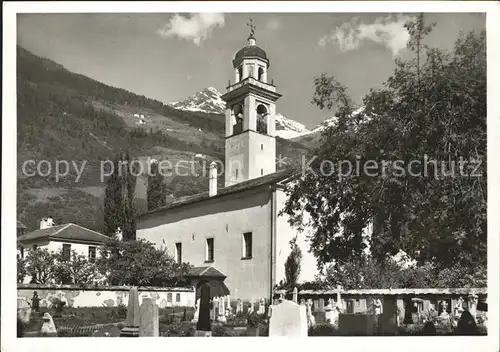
column 209, row 101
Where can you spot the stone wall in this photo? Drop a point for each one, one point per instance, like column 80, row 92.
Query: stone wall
column 109, row 296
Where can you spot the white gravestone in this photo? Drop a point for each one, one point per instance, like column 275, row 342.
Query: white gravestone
column 239, row 306
column 262, row 306
column 48, row 327
column 311, row 321
column 148, row 317
column 295, row 295
column 288, row 319
column 196, row 312
column 472, row 305
column 222, row 310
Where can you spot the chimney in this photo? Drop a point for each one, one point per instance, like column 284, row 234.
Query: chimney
column 46, row 223
column 212, row 182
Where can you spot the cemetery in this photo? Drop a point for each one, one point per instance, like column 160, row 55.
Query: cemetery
column 140, row 312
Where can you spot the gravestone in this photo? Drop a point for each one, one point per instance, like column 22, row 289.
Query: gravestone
column 23, row 310
column 332, row 312
column 472, row 305
column 250, row 307
column 48, row 327
column 311, row 321
column 221, row 316
column 149, row 324
column 239, row 306
column 203, row 327
column 388, row 319
column 131, row 328
column 262, row 306
column 197, row 311
column 295, row 295
column 288, row 319
column 229, row 308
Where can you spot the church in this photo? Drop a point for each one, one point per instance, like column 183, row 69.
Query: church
column 237, row 229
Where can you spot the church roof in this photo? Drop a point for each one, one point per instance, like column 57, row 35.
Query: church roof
column 273, row 178
column 66, row 232
column 250, row 51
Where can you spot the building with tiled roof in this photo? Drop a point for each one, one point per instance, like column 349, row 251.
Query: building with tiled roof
column 66, row 238
column 237, row 230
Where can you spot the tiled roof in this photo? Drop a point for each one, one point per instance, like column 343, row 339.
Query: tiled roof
column 205, row 271
column 69, row 231
column 239, row 187
column 20, row 225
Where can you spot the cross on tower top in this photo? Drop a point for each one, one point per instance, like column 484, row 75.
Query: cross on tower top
column 252, row 27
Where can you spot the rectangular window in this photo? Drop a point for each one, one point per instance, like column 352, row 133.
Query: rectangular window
column 178, row 252
column 169, row 297
column 247, row 245
column 92, row 252
column 177, row 297
column 262, row 147
column 66, row 251
column 261, row 172
column 210, row 250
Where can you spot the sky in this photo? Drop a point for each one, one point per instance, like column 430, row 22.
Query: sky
column 168, row 56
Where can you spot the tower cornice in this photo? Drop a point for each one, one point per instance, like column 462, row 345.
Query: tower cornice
column 248, row 86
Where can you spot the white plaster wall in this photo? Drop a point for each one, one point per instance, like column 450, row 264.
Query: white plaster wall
column 164, row 297
column 284, row 233
column 225, row 219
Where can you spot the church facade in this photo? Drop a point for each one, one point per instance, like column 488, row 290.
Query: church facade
column 237, row 229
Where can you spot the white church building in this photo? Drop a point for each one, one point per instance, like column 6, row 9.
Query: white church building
column 237, row 229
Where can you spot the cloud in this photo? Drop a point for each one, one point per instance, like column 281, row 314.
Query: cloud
column 195, row 28
column 273, row 24
column 388, row 31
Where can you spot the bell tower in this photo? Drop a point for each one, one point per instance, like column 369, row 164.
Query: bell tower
column 250, row 116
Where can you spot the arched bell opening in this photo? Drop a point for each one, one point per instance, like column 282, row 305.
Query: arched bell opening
column 238, row 115
column 262, row 119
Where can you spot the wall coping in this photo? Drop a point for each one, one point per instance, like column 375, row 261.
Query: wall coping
column 101, row 288
column 395, row 292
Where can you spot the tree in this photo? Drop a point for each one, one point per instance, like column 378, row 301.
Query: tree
column 292, row 265
column 156, row 193
column 21, row 269
column 119, row 198
column 139, row 263
column 433, row 215
column 77, row 270
column 40, row 265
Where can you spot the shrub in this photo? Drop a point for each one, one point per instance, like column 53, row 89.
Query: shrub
column 323, row 329
column 58, row 306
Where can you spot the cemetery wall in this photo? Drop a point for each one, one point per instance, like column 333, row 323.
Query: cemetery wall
column 76, row 296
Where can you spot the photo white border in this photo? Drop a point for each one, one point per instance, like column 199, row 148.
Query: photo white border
column 9, row 342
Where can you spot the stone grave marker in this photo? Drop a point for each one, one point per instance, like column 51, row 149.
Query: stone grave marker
column 288, row 319
column 239, row 306
column 48, row 327
column 197, row 311
column 149, row 324
column 204, row 326
column 262, row 306
column 131, row 328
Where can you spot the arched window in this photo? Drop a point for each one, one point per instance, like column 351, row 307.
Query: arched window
column 262, row 119
column 238, row 114
column 261, row 74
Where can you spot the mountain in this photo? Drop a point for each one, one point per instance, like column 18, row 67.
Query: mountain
column 64, row 116
column 209, row 101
